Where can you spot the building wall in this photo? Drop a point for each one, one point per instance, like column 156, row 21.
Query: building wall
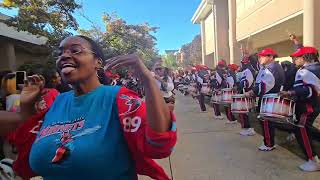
column 4, row 64
column 222, row 28
column 209, row 60
column 255, row 15
column 209, row 34
column 25, row 57
column 284, row 48
column 21, row 57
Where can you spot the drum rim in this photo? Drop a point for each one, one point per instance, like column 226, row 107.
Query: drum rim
column 225, row 89
column 238, row 95
column 275, row 95
column 270, row 115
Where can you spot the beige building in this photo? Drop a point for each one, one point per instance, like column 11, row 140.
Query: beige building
column 19, row 47
column 225, row 24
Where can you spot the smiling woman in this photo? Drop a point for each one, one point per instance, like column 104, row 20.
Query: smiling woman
column 108, row 126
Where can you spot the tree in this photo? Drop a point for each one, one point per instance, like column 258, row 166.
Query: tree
column 192, row 52
column 48, row 18
column 119, row 38
column 170, row 61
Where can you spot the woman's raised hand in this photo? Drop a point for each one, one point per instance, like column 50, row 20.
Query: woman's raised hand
column 133, row 61
column 31, row 91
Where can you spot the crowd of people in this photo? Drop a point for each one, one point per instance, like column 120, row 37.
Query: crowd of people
column 83, row 111
column 261, row 77
column 56, row 124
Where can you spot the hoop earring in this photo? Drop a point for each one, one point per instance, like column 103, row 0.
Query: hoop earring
column 97, row 74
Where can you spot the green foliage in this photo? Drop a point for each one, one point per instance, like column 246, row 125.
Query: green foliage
column 37, row 68
column 170, row 61
column 192, row 52
column 49, row 18
column 119, row 38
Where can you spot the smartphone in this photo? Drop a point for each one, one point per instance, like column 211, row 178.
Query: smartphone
column 20, row 77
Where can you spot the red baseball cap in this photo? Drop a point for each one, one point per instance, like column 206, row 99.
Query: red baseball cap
column 233, row 67
column 267, row 52
column 222, row 62
column 304, row 50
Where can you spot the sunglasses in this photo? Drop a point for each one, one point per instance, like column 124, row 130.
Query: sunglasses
column 73, row 50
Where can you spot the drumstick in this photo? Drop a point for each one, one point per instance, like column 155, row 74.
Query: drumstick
column 289, row 33
column 247, row 46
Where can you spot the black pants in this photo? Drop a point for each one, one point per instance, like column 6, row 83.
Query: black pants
column 216, row 109
column 303, row 133
column 201, row 102
column 244, row 120
column 229, row 114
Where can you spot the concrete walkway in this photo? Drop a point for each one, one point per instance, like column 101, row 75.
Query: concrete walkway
column 209, row 149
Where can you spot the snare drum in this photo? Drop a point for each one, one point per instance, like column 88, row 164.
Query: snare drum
column 276, row 108
column 241, row 104
column 227, row 95
column 216, row 97
column 205, row 89
column 193, row 89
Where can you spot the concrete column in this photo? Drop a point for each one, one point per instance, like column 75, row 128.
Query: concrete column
column 216, row 50
column 233, row 47
column 221, row 30
column 311, row 24
column 203, row 44
column 10, row 56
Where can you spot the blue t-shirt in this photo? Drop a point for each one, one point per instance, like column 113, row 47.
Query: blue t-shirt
column 88, row 127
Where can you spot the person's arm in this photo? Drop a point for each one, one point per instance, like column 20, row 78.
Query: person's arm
column 9, row 121
column 158, row 113
column 170, row 85
column 30, row 92
column 294, row 39
column 138, row 133
column 301, row 89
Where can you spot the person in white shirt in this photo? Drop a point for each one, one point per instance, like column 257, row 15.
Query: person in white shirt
column 165, row 84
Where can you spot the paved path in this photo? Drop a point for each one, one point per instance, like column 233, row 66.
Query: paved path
column 208, row 149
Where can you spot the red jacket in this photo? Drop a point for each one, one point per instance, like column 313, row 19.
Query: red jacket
column 24, row 136
column 144, row 143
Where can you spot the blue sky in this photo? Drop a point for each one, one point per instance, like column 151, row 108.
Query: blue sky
column 173, row 17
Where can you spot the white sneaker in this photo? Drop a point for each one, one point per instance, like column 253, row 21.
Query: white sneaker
column 310, row 166
column 204, row 111
column 266, row 148
column 218, row 117
column 231, row 122
column 247, row 132
column 291, row 137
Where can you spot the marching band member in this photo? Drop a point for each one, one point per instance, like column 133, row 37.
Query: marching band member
column 230, row 82
column 245, row 85
column 306, row 91
column 165, row 85
column 200, row 83
column 218, row 83
column 269, row 80
column 215, row 84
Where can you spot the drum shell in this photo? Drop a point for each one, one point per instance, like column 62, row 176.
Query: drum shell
column 216, row 97
column 276, row 107
column 241, row 104
column 227, row 94
column 205, row 89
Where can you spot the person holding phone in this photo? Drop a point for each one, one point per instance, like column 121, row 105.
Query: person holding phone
column 11, row 92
